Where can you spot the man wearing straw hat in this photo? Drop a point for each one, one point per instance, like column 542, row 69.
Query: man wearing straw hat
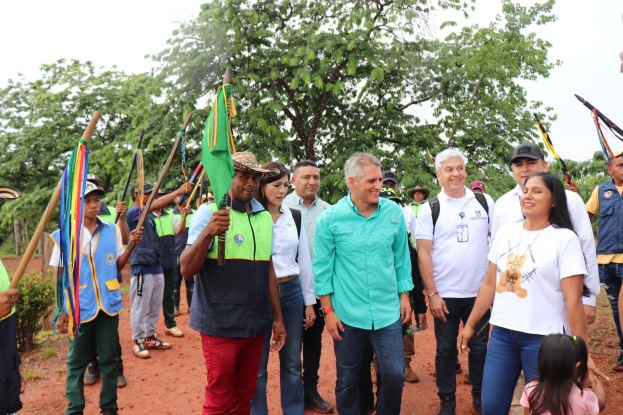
column 419, row 195
column 231, row 307
column 10, row 378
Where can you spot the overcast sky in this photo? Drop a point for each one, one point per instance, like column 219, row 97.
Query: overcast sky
column 587, row 38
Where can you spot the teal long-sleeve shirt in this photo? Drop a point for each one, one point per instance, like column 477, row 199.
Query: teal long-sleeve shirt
column 363, row 263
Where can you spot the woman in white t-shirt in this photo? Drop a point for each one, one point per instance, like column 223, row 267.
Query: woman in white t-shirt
column 293, row 269
column 535, row 283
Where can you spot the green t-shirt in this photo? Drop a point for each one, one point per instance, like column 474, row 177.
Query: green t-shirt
column 5, row 281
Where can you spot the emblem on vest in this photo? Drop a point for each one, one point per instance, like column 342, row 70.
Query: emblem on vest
column 239, row 240
column 110, row 258
column 608, row 194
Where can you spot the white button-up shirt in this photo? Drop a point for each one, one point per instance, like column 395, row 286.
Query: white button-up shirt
column 286, row 245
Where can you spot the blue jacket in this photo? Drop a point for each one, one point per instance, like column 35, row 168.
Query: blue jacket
column 147, row 252
column 610, row 230
column 99, row 291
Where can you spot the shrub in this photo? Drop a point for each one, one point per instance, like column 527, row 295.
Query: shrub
column 36, row 297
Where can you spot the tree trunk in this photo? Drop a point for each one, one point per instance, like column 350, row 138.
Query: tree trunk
column 18, row 237
column 46, row 252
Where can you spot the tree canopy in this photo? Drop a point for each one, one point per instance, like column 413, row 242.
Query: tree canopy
column 312, row 80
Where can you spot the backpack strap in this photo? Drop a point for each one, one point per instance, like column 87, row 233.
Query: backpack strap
column 434, row 210
column 434, row 207
column 296, row 215
column 483, row 202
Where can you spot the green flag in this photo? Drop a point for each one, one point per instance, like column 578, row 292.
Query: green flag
column 218, row 144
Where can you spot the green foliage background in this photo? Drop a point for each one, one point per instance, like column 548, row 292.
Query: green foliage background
column 313, row 79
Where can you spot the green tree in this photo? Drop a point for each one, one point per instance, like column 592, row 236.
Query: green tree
column 320, row 80
column 43, row 120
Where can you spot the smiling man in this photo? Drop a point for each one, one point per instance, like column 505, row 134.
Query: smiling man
column 363, row 275
column 452, row 253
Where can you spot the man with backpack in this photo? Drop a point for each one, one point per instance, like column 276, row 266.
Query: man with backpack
column 452, row 232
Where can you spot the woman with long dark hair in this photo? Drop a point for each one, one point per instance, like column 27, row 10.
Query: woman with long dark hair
column 535, row 283
column 292, row 264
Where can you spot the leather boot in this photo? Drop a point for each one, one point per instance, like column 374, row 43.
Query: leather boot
column 176, row 299
column 121, row 380
column 189, row 298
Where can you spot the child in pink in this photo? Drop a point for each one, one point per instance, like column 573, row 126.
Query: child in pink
column 560, row 390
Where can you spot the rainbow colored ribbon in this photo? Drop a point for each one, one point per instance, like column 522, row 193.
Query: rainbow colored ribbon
column 73, row 183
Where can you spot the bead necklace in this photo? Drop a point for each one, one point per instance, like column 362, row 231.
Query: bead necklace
column 515, row 263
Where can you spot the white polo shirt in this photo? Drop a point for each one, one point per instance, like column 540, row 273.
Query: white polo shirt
column 508, row 210
column 458, row 267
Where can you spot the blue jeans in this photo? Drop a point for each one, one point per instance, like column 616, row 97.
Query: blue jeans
column 447, row 335
column 509, row 352
column 290, row 367
column 610, row 276
column 349, row 353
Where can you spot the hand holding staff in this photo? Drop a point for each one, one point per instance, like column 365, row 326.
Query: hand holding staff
column 154, row 192
column 182, row 224
column 134, row 161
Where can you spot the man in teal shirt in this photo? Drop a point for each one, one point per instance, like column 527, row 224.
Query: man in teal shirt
column 363, row 275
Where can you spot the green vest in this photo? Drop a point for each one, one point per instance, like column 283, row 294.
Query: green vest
column 5, row 281
column 415, row 208
column 164, row 224
column 111, row 216
column 178, row 217
column 243, row 227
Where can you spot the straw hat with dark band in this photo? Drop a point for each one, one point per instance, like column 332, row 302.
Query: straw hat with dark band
column 246, row 161
column 418, row 189
column 8, row 193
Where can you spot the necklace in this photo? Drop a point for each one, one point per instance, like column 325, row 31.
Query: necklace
column 515, row 263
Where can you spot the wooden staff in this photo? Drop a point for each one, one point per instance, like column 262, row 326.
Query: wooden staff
column 220, row 260
column 134, row 162
column 182, row 225
column 45, row 219
column 192, row 180
column 154, row 191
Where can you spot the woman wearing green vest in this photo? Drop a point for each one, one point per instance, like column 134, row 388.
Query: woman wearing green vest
column 297, row 296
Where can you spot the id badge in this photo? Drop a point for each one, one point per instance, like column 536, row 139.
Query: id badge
column 462, row 233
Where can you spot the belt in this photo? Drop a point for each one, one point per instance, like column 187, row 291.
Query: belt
column 286, row 279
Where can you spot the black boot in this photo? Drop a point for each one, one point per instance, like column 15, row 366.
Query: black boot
column 121, row 380
column 176, row 299
column 92, row 373
column 189, row 298
column 314, row 401
column 447, row 406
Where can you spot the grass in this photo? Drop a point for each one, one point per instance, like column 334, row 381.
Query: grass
column 32, row 374
column 124, row 289
column 48, row 352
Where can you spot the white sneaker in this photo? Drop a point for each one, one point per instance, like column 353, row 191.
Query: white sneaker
column 174, row 331
column 139, row 349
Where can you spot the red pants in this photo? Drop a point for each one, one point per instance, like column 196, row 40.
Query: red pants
column 232, row 365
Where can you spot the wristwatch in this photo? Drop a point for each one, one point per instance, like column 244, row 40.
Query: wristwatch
column 432, row 294
column 324, row 311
